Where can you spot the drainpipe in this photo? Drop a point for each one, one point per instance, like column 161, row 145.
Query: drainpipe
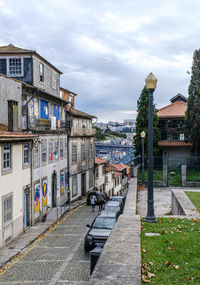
column 31, row 185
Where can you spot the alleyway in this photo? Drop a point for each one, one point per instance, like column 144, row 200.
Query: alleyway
column 58, row 258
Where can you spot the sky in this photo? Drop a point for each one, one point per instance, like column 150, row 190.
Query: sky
column 106, row 48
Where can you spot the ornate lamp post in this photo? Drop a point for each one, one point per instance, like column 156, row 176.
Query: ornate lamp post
column 143, row 134
column 151, row 82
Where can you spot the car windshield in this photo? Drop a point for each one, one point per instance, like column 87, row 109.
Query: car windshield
column 117, row 199
column 112, row 208
column 104, row 223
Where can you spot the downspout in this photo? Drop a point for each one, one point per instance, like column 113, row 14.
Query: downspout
column 31, row 185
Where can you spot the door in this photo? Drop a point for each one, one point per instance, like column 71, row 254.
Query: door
column 54, row 189
column 83, row 184
column 26, row 213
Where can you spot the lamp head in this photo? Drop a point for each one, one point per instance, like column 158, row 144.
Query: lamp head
column 143, row 134
column 151, row 81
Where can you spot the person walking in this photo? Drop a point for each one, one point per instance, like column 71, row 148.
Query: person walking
column 93, row 200
column 101, row 198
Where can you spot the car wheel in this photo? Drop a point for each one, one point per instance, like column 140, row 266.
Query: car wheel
column 86, row 249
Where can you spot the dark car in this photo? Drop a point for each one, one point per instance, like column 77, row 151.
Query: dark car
column 99, row 231
column 114, row 206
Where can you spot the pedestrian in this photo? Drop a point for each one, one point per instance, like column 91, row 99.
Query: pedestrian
column 93, row 200
column 101, row 198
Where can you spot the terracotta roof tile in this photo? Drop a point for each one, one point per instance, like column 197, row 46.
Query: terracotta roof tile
column 4, row 134
column 117, row 173
column 109, row 169
column 176, row 109
column 82, row 114
column 175, row 143
column 99, row 160
column 119, row 166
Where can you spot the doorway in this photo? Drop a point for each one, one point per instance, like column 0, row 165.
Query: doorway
column 54, row 189
column 83, row 184
column 26, row 208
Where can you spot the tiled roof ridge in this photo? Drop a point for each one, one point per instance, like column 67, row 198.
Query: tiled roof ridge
column 82, row 113
column 177, row 102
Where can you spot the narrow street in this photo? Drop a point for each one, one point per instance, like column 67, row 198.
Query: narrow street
column 58, row 258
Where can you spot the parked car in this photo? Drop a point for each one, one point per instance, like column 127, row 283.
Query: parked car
column 113, row 206
column 120, row 199
column 99, row 231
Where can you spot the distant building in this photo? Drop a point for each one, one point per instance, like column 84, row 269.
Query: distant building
column 100, row 173
column 171, row 125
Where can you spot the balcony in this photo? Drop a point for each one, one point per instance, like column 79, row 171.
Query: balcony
column 46, row 125
column 83, row 132
column 172, row 135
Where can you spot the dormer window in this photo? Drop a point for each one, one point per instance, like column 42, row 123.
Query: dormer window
column 15, row 66
column 41, row 72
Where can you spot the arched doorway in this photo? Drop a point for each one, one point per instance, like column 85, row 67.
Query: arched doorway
column 54, row 189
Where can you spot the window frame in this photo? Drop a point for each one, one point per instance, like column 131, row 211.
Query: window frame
column 41, row 72
column 26, row 148
column 22, row 66
column 61, row 149
column 83, row 153
column 90, row 151
column 36, row 154
column 6, row 212
column 74, row 154
column 43, row 143
column 74, row 183
column 7, row 169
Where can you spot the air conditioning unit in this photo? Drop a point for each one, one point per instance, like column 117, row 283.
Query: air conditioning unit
column 182, row 137
column 53, row 123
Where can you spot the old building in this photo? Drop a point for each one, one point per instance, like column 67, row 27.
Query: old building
column 41, row 111
column 171, row 125
column 100, row 173
column 109, row 181
column 16, row 197
column 124, row 170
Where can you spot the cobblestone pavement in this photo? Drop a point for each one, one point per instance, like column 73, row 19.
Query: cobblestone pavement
column 58, row 258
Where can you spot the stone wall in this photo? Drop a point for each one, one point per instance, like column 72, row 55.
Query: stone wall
column 120, row 261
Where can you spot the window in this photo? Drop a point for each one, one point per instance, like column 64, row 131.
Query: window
column 106, row 179
column 82, row 152
column 36, row 155
column 61, row 149
column 15, row 66
column 7, row 209
column 54, row 81
column 90, row 151
column 26, row 154
column 74, row 154
column 44, row 152
column 74, row 185
column 41, row 72
column 56, row 150
column 50, row 151
column 6, row 157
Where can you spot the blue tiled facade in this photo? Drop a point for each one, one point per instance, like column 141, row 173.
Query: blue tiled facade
column 28, row 70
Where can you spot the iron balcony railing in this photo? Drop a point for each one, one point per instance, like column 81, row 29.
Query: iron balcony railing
column 46, row 124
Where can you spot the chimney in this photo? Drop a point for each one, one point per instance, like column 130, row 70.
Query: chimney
column 12, row 116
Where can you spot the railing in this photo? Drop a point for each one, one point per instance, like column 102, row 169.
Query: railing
column 172, row 135
column 46, row 124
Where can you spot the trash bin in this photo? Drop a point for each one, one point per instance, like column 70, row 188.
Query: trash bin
column 94, row 257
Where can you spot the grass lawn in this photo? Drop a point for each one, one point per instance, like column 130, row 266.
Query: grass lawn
column 195, row 199
column 173, row 257
column 193, row 176
column 157, row 175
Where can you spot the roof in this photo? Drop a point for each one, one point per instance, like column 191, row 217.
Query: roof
column 11, row 49
column 174, row 110
column 178, row 97
column 119, row 167
column 109, row 169
column 175, row 143
column 68, row 91
column 5, row 135
column 117, row 173
column 82, row 114
column 99, row 160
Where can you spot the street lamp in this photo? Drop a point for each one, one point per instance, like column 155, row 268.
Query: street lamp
column 143, row 134
column 151, row 82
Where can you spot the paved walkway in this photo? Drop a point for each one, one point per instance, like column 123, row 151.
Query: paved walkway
column 162, row 202
column 57, row 257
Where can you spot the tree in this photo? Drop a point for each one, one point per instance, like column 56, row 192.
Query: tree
column 100, row 136
column 192, row 115
column 142, row 125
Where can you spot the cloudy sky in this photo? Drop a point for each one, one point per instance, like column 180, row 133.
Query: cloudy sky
column 106, row 48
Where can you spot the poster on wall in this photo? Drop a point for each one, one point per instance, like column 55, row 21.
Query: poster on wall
column 37, row 197
column 66, row 181
column 62, row 182
column 44, row 193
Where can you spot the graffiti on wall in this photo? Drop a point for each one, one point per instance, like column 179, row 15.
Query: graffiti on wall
column 37, row 197
column 62, row 183
column 66, row 181
column 44, row 193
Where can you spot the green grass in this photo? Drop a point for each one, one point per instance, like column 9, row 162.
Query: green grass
column 195, row 199
column 193, row 176
column 174, row 256
column 157, row 175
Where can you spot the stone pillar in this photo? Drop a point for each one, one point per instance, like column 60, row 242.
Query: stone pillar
column 165, row 175
column 183, row 175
